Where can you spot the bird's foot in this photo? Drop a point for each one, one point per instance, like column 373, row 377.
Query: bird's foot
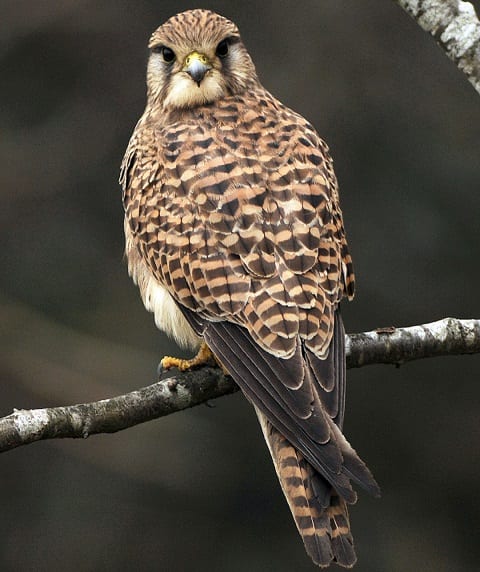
column 203, row 357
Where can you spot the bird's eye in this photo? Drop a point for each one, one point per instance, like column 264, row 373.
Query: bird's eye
column 222, row 49
column 167, row 53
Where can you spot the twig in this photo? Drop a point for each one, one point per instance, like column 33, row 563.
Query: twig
column 387, row 346
column 456, row 28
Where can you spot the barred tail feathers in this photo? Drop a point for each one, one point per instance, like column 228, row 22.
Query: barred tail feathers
column 320, row 514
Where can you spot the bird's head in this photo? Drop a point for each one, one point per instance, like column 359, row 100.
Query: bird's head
column 197, row 57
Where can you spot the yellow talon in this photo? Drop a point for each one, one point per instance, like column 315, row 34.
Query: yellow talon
column 203, row 357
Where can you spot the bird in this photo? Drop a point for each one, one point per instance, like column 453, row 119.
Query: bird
column 235, row 238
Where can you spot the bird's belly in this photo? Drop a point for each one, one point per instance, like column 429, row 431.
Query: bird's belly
column 168, row 316
column 156, row 298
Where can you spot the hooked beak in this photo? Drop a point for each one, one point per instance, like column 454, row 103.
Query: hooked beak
column 196, row 65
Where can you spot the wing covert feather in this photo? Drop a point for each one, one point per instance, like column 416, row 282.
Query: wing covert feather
column 259, row 224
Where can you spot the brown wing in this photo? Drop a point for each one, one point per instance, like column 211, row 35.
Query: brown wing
column 305, row 416
column 234, row 209
column 236, row 212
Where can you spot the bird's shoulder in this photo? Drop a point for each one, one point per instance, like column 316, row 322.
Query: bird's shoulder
column 254, row 120
column 247, row 148
column 236, row 211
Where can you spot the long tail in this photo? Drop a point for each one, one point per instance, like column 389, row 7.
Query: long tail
column 320, row 514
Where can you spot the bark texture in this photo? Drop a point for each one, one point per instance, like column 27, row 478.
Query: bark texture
column 455, row 26
column 383, row 346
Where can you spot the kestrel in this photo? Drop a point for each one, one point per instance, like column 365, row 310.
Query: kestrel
column 234, row 235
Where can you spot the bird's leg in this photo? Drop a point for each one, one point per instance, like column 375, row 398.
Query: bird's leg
column 203, row 357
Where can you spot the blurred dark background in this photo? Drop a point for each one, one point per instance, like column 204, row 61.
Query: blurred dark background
column 196, row 491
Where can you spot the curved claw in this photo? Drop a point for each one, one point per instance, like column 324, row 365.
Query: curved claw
column 160, row 370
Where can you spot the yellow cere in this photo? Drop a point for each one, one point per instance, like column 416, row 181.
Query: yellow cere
column 202, row 58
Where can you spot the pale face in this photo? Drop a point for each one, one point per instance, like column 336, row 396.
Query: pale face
column 188, row 68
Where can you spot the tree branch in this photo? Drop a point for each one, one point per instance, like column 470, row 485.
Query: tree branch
column 386, row 345
column 396, row 346
column 456, row 28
